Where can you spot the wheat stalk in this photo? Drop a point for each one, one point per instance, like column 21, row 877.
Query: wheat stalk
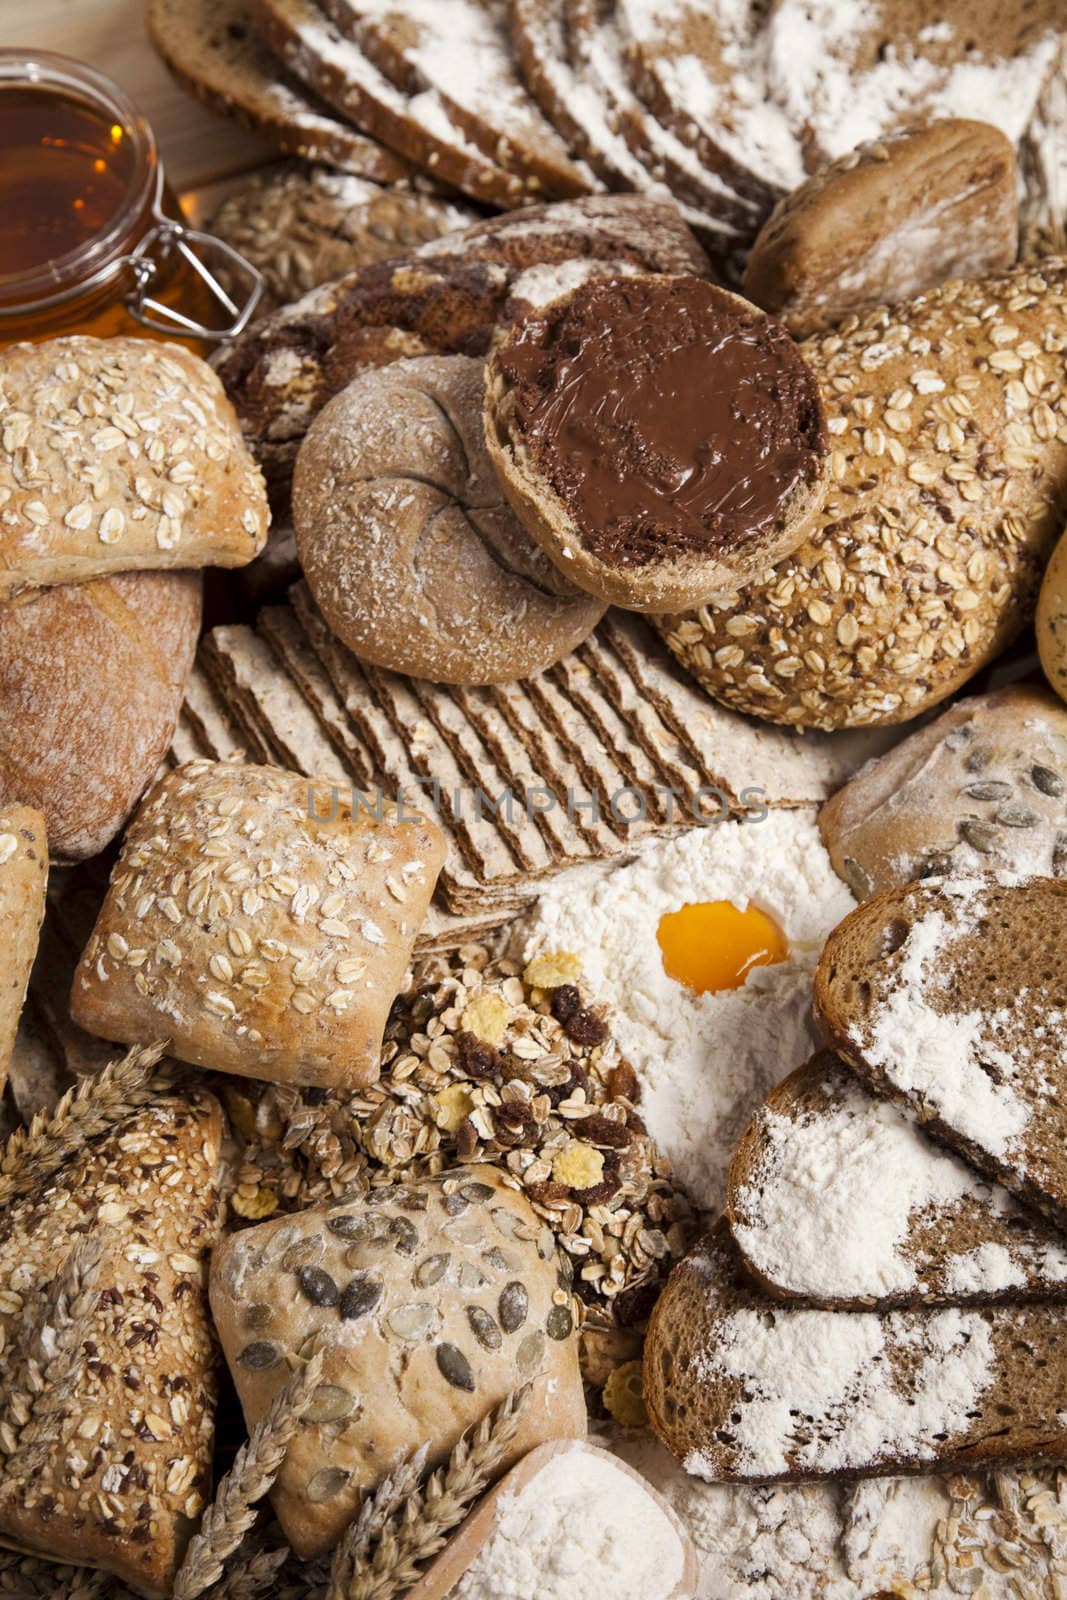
column 255, row 1467
column 370, row 1523
column 55, row 1360
column 90, row 1108
column 254, row 1576
column 418, row 1527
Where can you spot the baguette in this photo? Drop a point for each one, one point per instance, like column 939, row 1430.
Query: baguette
column 948, row 996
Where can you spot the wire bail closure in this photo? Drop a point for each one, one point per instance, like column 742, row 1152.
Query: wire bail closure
column 149, row 258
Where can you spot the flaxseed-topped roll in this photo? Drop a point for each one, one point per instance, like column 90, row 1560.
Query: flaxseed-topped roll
column 658, row 436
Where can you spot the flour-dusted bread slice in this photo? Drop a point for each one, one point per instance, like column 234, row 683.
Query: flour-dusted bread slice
column 23, row 877
column 118, row 454
column 532, row 1528
column 418, row 127
column 302, row 226
column 948, row 424
column 949, row 996
column 614, row 423
column 126, row 1469
column 413, row 554
column 886, row 222
column 981, row 789
column 838, row 1198
column 742, row 1388
column 434, row 1299
column 92, row 677
column 260, row 921
column 461, row 50
column 212, row 48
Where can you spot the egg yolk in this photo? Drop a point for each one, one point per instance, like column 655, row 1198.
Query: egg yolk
column 711, row 945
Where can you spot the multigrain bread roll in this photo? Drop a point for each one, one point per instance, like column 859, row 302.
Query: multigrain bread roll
column 260, row 921
column 413, row 554
column 434, row 1299
column 886, row 222
column 92, row 677
column 118, row 455
column 23, row 877
column 981, row 789
column 660, row 438
column 948, row 420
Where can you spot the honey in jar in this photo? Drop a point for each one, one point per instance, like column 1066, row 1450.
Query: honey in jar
column 91, row 238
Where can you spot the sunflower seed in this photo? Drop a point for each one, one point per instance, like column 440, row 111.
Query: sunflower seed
column 318, row 1287
column 1047, row 781
column 348, row 1226
column 981, row 836
column 405, row 1236
column 432, row 1270
column 484, row 1328
column 1016, row 817
column 259, row 1356
column 979, row 758
column 988, row 789
column 454, row 1367
column 455, row 1204
column 513, row 1307
column 559, row 1323
column 497, row 1259
column 477, row 1193
column 360, row 1297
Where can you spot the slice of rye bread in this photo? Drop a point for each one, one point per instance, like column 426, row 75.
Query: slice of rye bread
column 598, row 59
column 836, row 1197
column 461, row 49
column 744, row 1389
column 418, row 127
column 948, row 417
column 699, row 65
column 950, row 995
column 540, row 40
column 212, row 49
column 447, row 297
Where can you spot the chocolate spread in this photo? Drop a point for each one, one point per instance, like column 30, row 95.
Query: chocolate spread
column 666, row 415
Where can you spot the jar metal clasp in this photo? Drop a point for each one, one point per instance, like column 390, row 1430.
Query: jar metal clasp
column 206, row 255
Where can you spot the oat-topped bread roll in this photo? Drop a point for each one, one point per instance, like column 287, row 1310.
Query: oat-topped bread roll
column 121, row 1467
column 23, row 876
column 982, row 789
column 948, row 420
column 742, row 1388
column 92, row 677
column 660, row 438
column 434, row 1299
column 886, row 222
column 413, row 554
column 260, row 921
column 117, row 455
column 948, row 996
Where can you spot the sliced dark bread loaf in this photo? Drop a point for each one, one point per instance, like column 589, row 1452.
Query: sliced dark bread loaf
column 743, row 1388
column 212, row 49
column 418, row 127
column 461, row 49
column 837, row 1197
column 950, row 995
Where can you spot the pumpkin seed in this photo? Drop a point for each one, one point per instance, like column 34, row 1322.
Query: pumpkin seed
column 348, row 1225
column 497, row 1259
column 330, row 1403
column 981, row 836
column 304, row 1251
column 559, row 1323
column 259, row 1356
column 988, row 789
column 414, row 1321
column 455, row 1204
column 326, row 1484
column 857, row 878
column 477, row 1193
column 361, row 1296
column 318, row 1287
column 513, row 1307
column 258, row 1317
column 471, row 1277
column 432, row 1270
column 380, row 1197
column 414, row 1200
column 484, row 1328
column 405, row 1236
column 531, row 1352
column 1048, row 781
column 1016, row 817
column 455, row 1368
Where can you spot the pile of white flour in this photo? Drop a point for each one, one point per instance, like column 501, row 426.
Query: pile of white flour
column 705, row 1062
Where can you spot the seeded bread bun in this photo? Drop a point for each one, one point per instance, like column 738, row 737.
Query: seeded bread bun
column 434, row 1299
column 260, row 921
column 23, row 876
column 412, row 553
column 982, row 789
column 948, row 479
column 744, row 1389
column 117, row 455
column 659, row 437
column 948, row 996
column 92, row 677
column 886, row 222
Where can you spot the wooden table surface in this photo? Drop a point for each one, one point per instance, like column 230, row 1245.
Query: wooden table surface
column 198, row 147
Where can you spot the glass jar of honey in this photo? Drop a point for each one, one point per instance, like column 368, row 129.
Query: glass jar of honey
column 92, row 240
